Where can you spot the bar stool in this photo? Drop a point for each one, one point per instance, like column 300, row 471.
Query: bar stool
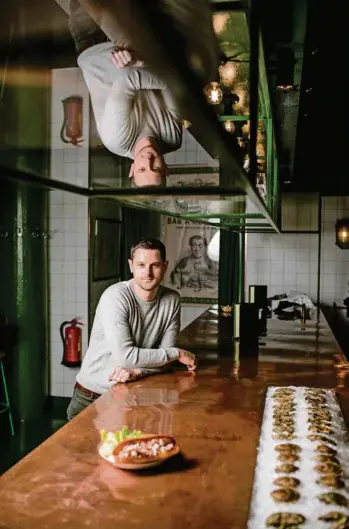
column 5, row 406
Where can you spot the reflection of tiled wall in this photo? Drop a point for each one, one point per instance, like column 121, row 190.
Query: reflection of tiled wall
column 288, row 262
column 189, row 313
column 190, row 152
column 68, row 163
column 69, row 223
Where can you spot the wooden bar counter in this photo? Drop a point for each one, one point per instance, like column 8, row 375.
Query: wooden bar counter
column 215, row 416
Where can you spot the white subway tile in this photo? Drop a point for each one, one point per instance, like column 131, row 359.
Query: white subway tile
column 69, row 310
column 82, row 267
column 302, row 267
column 68, row 389
column 56, row 267
column 81, row 211
column 252, row 267
column 69, row 295
column 277, row 254
column 82, row 295
column 263, row 253
column 56, row 389
column 81, row 308
column 263, row 267
column 82, row 253
column 69, row 280
column 57, row 307
column 69, row 375
column 277, row 268
column 70, row 240
column 69, row 253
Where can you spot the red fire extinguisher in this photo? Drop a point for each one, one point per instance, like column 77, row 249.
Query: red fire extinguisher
column 71, row 131
column 71, row 338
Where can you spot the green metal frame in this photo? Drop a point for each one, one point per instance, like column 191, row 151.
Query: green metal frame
column 6, row 406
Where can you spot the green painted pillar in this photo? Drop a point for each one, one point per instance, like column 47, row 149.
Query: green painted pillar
column 23, row 288
column 31, row 302
column 24, row 283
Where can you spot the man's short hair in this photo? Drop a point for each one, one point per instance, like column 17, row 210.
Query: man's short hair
column 149, row 243
column 193, row 237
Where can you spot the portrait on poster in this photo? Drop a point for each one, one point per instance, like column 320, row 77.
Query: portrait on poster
column 191, row 272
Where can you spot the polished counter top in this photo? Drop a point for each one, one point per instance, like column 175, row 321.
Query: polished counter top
column 215, row 415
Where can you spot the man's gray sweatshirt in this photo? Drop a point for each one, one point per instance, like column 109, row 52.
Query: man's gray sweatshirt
column 130, row 333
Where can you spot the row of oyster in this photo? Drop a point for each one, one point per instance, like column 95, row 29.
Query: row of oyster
column 329, row 468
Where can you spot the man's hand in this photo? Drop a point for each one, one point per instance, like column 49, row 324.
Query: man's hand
column 123, row 58
column 188, row 359
column 122, row 375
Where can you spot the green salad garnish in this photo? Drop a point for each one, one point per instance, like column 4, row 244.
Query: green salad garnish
column 121, row 435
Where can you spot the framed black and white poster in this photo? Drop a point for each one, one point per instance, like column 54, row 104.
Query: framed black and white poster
column 191, row 271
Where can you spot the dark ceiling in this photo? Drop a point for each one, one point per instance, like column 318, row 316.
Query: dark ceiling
column 312, row 127
column 322, row 135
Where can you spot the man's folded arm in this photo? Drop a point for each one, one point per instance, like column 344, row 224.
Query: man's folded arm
column 118, row 120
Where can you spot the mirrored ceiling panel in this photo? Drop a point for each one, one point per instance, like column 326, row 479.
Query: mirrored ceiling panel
column 108, row 104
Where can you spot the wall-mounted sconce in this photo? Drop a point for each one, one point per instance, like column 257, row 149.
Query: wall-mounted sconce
column 342, row 234
column 229, row 126
column 213, row 93
column 71, row 131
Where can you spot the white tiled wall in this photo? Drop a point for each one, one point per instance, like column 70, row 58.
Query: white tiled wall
column 290, row 261
column 283, row 262
column 68, row 275
column 68, row 217
column 334, row 260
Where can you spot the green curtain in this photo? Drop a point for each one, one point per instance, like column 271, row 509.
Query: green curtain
column 231, row 266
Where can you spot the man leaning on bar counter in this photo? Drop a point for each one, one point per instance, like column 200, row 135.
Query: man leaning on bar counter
column 134, row 331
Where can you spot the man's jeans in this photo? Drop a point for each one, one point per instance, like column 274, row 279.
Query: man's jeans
column 83, row 28
column 78, row 403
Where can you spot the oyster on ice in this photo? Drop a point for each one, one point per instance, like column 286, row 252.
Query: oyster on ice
column 285, row 520
column 285, row 495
